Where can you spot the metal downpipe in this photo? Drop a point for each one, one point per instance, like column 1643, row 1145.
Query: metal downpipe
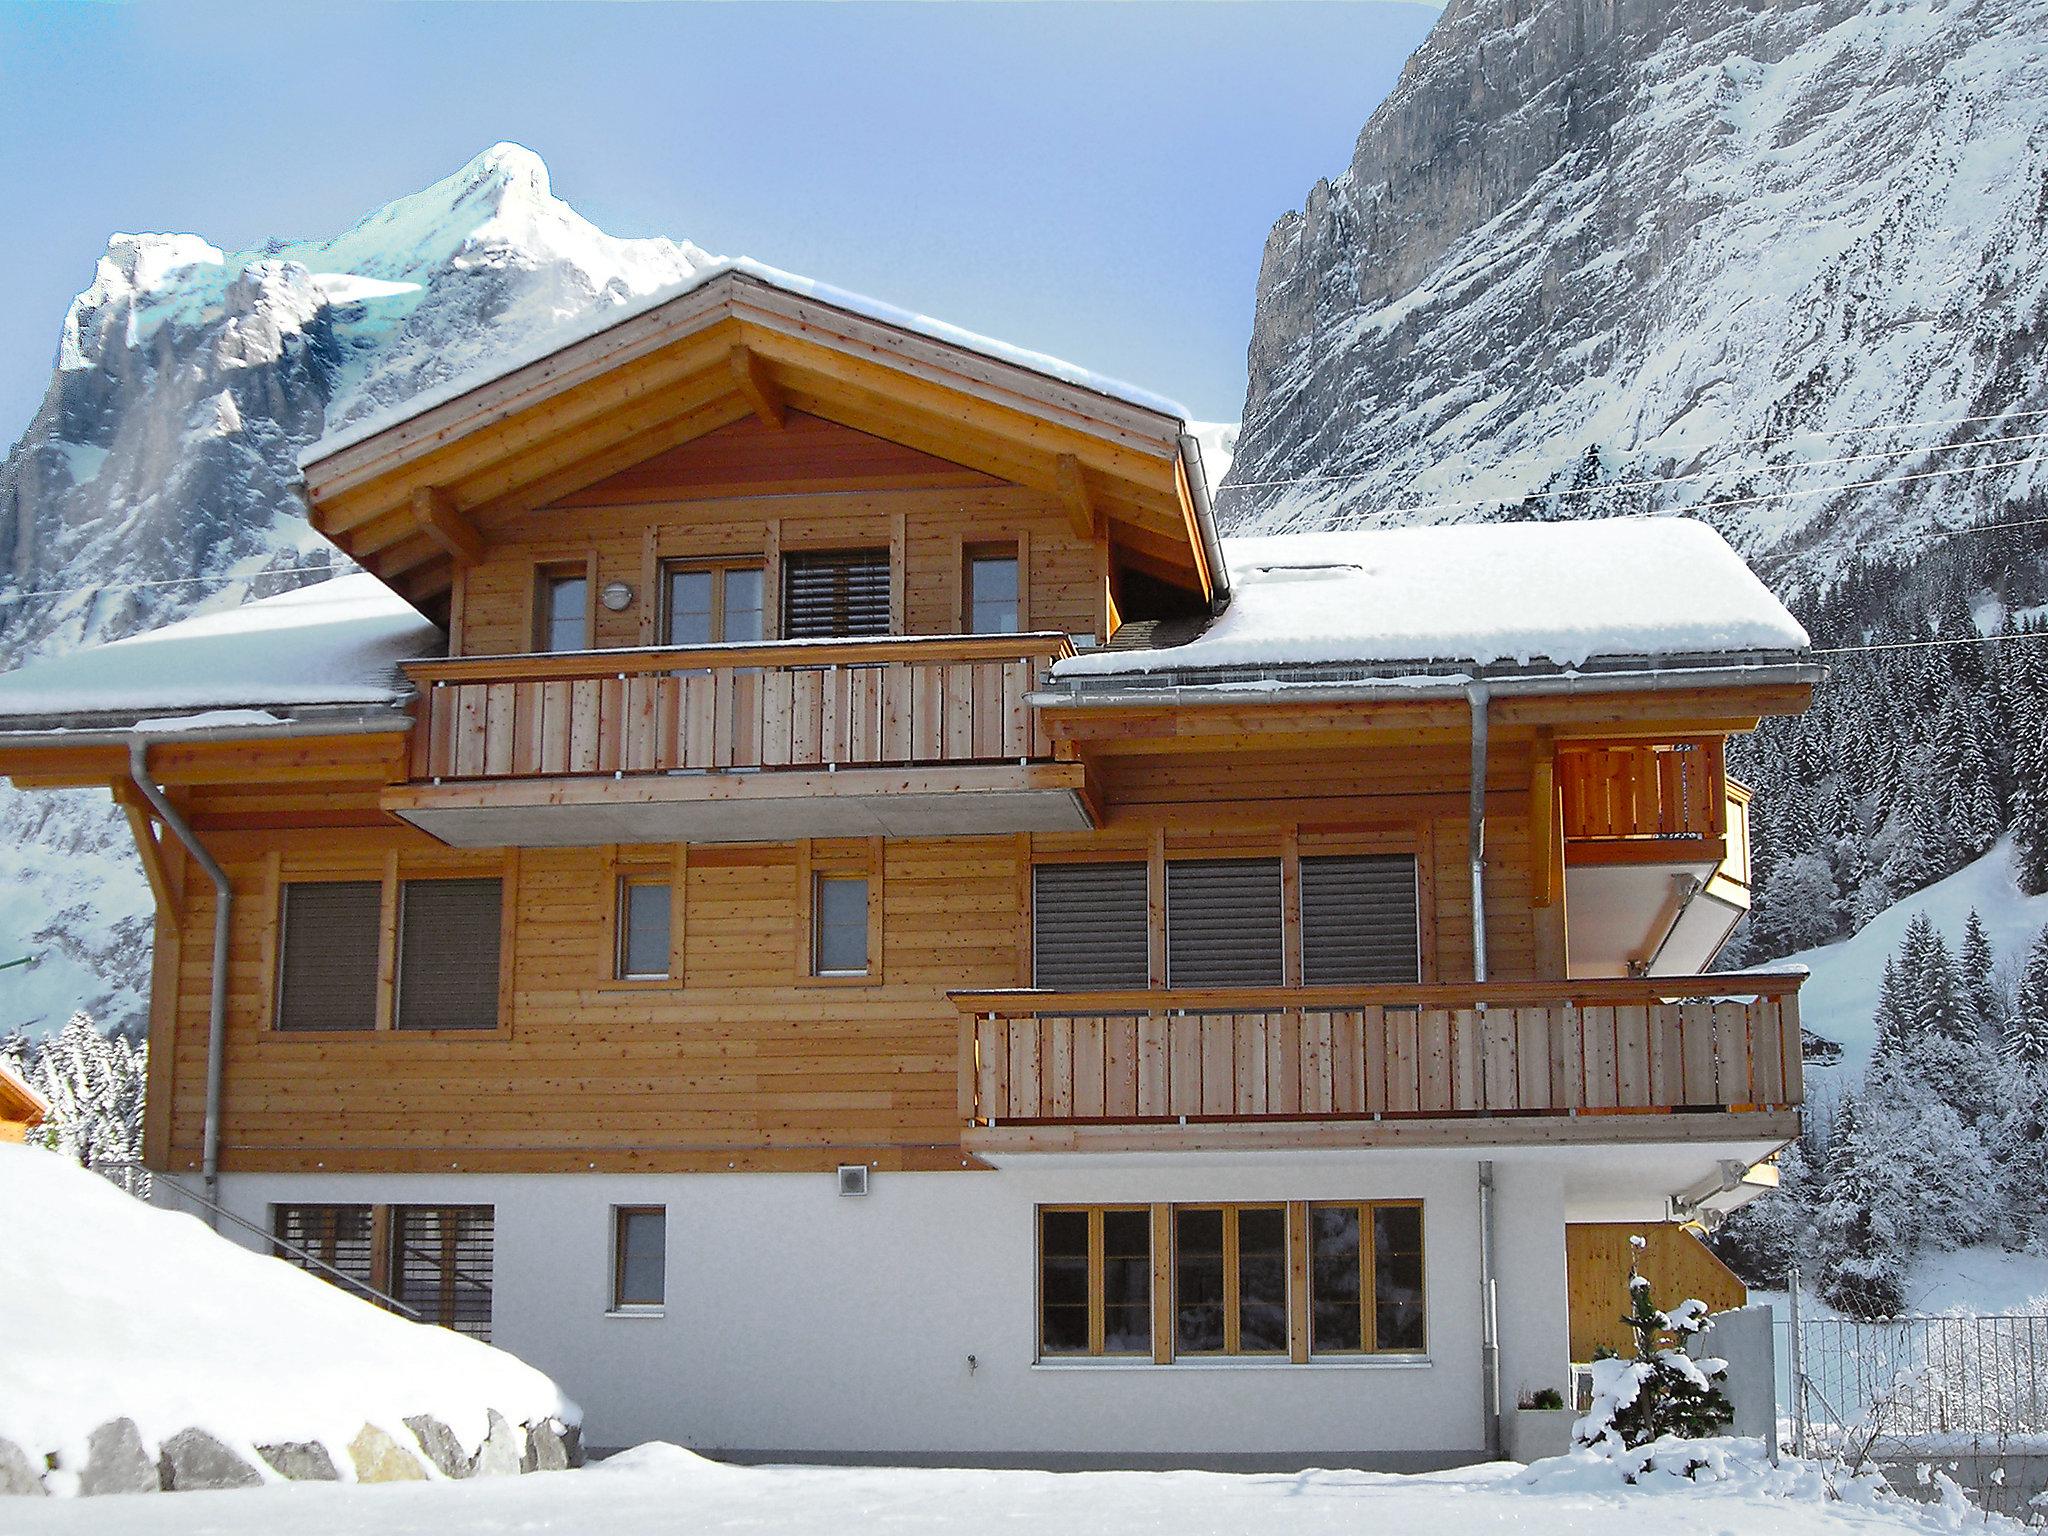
column 1489, row 1318
column 217, row 1001
column 1475, row 829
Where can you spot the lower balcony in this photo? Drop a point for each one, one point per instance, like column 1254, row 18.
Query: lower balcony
column 1678, row 1059
column 894, row 736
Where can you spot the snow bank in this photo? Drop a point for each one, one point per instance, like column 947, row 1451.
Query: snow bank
column 1480, row 594
column 336, row 642
column 115, row 1309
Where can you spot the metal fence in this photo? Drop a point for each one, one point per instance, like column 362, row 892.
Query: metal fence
column 125, row 1173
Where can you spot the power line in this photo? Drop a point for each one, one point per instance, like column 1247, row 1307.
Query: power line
column 334, row 568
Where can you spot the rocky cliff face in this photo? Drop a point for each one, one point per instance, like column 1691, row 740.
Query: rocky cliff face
column 1587, row 243
column 160, row 475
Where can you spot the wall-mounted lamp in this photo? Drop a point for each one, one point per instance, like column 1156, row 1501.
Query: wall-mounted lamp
column 616, row 596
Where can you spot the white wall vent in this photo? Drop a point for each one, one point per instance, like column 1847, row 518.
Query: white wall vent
column 853, row 1178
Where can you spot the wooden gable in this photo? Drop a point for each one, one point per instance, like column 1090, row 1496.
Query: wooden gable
column 756, row 457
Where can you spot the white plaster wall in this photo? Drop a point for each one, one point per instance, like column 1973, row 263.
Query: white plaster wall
column 805, row 1322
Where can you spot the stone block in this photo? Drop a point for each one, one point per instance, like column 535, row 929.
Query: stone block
column 380, row 1459
column 19, row 1472
column 115, row 1461
column 440, row 1444
column 302, row 1461
column 544, row 1450
column 193, row 1459
column 503, row 1449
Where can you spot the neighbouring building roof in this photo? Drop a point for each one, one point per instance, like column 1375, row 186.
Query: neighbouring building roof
column 329, row 646
column 19, row 1103
column 1474, row 596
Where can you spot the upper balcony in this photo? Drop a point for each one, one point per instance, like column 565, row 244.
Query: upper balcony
column 1693, row 1059
column 902, row 736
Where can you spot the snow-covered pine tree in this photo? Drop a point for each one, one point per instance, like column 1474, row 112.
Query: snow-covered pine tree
column 1662, row 1390
column 93, row 1083
column 1977, row 965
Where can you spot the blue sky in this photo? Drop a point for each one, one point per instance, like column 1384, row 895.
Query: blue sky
column 1095, row 181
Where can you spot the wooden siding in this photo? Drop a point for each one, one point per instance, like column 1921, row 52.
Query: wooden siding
column 1679, row 1267
column 1550, row 1048
column 1674, row 791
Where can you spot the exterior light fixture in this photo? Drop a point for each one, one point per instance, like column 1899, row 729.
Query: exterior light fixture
column 616, row 596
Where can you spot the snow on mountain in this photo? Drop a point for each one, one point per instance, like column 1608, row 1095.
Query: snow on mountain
column 1593, row 242
column 159, row 477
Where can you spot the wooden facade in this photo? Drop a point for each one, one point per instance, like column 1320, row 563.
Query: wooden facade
column 740, row 430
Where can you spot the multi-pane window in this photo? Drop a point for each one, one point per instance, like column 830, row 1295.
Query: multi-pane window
column 1090, row 925
column 448, row 953
column 1358, row 920
column 562, row 620
column 434, row 1260
column 335, row 1242
column 1095, row 1281
column 644, row 907
column 839, row 925
column 1223, row 923
column 639, row 1256
column 1230, row 1280
column 1365, row 1278
column 835, row 596
column 713, row 605
column 327, row 955
column 992, row 593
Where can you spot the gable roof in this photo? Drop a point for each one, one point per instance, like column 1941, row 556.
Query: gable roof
column 415, row 494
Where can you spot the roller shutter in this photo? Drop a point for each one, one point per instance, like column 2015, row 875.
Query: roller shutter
column 448, row 953
column 835, row 595
column 1089, row 925
column 327, row 965
column 1358, row 920
column 1223, row 922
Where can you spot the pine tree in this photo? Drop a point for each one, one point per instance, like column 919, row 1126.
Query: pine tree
column 2025, row 1040
column 1975, row 962
column 1662, row 1390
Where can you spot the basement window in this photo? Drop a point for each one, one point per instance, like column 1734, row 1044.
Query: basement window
column 639, row 1257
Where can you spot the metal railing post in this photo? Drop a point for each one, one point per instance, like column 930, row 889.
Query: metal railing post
column 1795, row 1362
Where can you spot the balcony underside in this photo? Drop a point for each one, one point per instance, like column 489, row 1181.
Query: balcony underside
column 744, row 807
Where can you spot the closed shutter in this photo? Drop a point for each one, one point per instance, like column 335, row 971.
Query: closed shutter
column 448, row 954
column 339, row 1236
column 1223, row 922
column 835, row 595
column 443, row 1262
column 1358, row 922
column 1088, row 927
column 327, row 968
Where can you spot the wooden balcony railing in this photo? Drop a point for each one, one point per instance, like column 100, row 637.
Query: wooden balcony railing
column 1671, row 1044
column 1666, row 790
column 883, row 702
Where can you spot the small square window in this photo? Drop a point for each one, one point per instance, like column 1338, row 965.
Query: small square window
column 992, row 594
column 639, row 1256
column 561, row 623
column 644, row 907
column 839, row 925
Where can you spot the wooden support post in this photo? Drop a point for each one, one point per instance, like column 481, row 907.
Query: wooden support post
column 762, row 393
column 1082, row 514
column 443, row 522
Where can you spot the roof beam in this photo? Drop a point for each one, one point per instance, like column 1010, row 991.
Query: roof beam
column 760, row 390
column 1082, row 513
column 444, row 523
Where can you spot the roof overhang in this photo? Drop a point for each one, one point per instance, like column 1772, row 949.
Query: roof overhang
column 20, row 1103
column 421, row 497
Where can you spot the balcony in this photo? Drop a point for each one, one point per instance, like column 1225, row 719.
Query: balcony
column 1697, row 1058
column 924, row 736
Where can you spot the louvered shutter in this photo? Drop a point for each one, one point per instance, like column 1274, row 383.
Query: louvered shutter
column 327, row 965
column 1223, row 922
column 836, row 595
column 1089, row 925
column 448, row 954
column 339, row 1236
column 442, row 1268
column 1358, row 922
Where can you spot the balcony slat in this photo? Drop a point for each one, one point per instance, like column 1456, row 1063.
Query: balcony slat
column 1120, row 1097
column 1632, row 1054
column 1155, row 1067
column 1767, row 1073
column 1731, row 1053
column 1791, row 1047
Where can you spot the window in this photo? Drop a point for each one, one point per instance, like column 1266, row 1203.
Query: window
column 639, row 1256
column 1365, row 1278
column 341, row 1237
column 713, row 605
column 327, row 960
column 992, row 593
column 1230, row 1280
column 1223, row 922
column 829, row 596
column 643, row 923
column 1090, row 925
column 441, row 1264
column 561, row 622
column 839, row 925
column 1358, row 920
column 448, row 953
column 1095, row 1281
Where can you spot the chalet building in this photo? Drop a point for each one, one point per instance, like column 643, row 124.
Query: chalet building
column 807, row 892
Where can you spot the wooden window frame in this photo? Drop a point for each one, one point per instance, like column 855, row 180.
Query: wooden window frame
column 1368, row 1290
column 1233, row 1280
column 1016, row 551
column 546, row 572
column 621, row 1306
column 717, row 566
column 815, row 861
column 624, row 870
column 1097, row 1310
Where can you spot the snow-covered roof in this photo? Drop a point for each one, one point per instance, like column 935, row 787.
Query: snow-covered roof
column 337, row 642
column 1477, row 595
column 555, row 340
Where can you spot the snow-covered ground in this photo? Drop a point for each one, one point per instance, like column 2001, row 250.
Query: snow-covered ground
column 111, row 1309
column 1840, row 999
column 660, row 1489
